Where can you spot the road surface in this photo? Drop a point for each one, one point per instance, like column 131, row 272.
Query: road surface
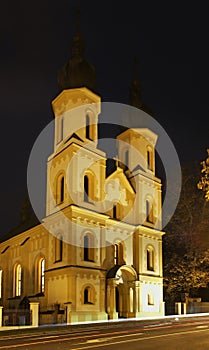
column 189, row 334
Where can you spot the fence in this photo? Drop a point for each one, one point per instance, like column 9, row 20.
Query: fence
column 55, row 315
column 19, row 317
column 198, row 307
column 14, row 317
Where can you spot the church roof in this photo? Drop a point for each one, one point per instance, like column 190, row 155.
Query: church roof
column 20, row 229
column 28, row 220
column 135, row 92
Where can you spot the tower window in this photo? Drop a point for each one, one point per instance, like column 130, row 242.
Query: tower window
column 118, row 254
column 149, row 212
column 150, row 258
column 88, row 128
column 114, row 211
column 60, row 189
column 58, row 248
column 149, row 158
column 86, row 188
column 88, row 248
column 88, row 195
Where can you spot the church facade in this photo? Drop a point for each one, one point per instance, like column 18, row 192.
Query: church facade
column 93, row 257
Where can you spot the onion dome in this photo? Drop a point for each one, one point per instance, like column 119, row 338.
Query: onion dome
column 77, row 72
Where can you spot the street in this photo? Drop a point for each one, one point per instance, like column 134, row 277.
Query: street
column 185, row 334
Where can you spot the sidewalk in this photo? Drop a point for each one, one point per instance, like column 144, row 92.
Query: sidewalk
column 87, row 326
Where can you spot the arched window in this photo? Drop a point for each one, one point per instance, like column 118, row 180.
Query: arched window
column 118, row 253
column 60, row 189
column 114, row 211
column 88, row 247
column 87, row 126
column 40, row 266
column 89, row 187
column 150, row 258
column 149, row 212
column 58, row 248
column 88, row 295
column 18, row 280
column 90, row 128
column 86, row 188
column 149, row 158
column 42, row 275
column 1, row 283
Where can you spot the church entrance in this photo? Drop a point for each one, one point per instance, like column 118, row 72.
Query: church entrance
column 122, row 294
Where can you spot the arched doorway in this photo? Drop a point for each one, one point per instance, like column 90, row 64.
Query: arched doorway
column 121, row 293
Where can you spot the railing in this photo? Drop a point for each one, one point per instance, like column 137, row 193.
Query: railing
column 14, row 317
column 55, row 315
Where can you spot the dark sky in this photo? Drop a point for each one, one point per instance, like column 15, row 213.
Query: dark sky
column 170, row 40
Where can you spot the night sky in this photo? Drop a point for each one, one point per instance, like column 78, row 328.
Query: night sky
column 170, row 40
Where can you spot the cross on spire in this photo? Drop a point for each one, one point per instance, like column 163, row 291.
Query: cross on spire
column 78, row 20
column 136, row 67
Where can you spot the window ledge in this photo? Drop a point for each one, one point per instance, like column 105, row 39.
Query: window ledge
column 88, row 303
column 14, row 298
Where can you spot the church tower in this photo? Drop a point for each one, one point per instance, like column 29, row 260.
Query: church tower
column 137, row 152
column 76, row 111
column 75, row 181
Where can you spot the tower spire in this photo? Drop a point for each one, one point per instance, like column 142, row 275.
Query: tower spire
column 78, row 21
column 77, row 72
column 135, row 90
column 136, row 68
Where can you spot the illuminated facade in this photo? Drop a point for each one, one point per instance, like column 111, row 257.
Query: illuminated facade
column 97, row 264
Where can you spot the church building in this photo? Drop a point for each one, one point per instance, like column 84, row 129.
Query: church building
column 92, row 257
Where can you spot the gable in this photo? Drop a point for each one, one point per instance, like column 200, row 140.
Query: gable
column 118, row 188
column 73, row 136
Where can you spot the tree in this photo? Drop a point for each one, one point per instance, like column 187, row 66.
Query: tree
column 203, row 184
column 186, row 243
